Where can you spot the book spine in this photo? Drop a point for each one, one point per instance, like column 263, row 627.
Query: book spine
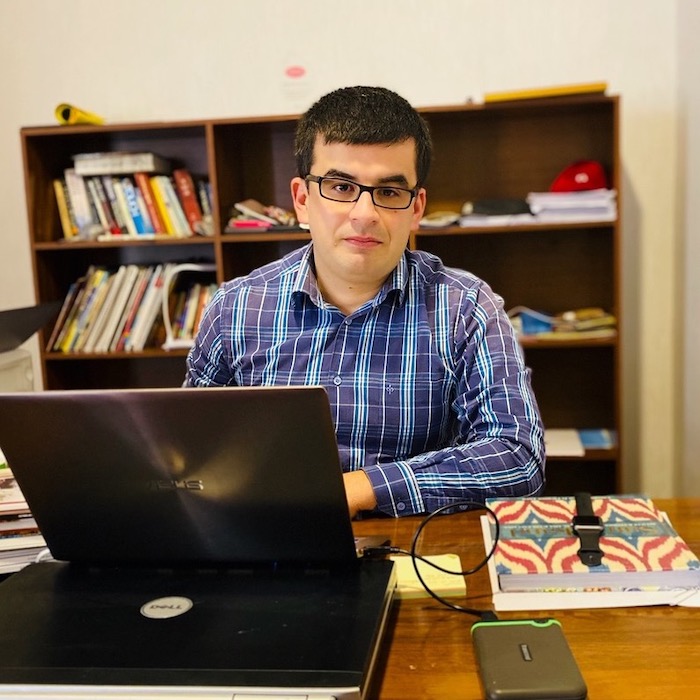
column 133, row 205
column 185, row 188
column 124, row 206
column 128, row 309
column 70, row 230
column 159, row 197
column 148, row 224
column 111, row 222
column 177, row 215
column 144, row 185
column 108, row 187
column 78, row 194
column 204, row 192
column 124, row 342
column 62, row 315
column 92, row 193
column 105, row 339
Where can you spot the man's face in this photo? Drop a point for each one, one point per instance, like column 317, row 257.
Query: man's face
column 358, row 244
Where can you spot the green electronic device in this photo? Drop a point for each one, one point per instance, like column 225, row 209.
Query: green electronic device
column 526, row 660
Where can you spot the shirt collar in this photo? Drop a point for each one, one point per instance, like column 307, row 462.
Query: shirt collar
column 306, row 282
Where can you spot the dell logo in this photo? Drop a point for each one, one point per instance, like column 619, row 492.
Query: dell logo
column 164, row 608
column 176, row 484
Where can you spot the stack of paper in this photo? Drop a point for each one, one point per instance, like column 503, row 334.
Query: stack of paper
column 20, row 540
column 571, row 207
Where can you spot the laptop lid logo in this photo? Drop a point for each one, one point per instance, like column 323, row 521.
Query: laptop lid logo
column 164, row 608
column 176, row 484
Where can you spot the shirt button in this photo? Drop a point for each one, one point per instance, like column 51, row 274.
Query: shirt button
column 400, row 506
column 348, row 321
column 337, row 380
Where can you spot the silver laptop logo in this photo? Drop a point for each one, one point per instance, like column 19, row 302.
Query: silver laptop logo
column 176, row 484
column 164, row 608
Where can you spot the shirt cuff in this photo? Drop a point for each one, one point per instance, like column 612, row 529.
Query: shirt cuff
column 395, row 489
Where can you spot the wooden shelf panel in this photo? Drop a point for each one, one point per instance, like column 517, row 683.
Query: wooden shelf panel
column 481, row 151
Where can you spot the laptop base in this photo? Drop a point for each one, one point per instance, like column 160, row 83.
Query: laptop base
column 70, row 631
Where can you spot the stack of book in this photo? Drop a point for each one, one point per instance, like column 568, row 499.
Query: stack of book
column 588, row 322
column 586, row 206
column 536, row 565
column 570, row 442
column 121, row 310
column 20, row 539
column 130, row 194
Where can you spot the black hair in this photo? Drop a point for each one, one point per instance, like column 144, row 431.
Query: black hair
column 359, row 116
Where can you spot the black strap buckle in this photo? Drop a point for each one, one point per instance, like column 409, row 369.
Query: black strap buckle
column 588, row 528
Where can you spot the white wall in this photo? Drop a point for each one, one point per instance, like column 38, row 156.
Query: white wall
column 688, row 189
column 172, row 59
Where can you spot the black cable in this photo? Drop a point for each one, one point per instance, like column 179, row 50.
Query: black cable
column 465, row 506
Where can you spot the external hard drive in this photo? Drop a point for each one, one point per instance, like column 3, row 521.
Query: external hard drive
column 526, row 660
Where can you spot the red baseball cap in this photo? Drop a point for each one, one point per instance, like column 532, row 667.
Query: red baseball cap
column 581, row 175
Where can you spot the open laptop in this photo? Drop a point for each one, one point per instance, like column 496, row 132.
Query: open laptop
column 204, row 548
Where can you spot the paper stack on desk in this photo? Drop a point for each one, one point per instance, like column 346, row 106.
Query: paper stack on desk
column 20, row 539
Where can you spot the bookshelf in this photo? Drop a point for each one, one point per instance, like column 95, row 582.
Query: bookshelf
column 502, row 149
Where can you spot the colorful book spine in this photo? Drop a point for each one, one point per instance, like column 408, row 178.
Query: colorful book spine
column 82, row 209
column 160, row 200
column 143, row 183
column 132, row 203
column 68, row 226
column 184, row 185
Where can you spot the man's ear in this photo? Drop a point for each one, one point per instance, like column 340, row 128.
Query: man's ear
column 419, row 202
column 300, row 194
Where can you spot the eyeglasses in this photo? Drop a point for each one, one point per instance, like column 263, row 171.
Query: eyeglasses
column 339, row 189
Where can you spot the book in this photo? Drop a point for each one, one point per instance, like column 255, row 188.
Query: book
column 80, row 204
column 181, row 226
column 65, row 214
column 169, row 206
column 536, row 560
column 123, row 205
column 114, row 203
column 563, row 442
column 148, row 310
column 95, row 310
column 119, row 163
column 143, row 183
column 119, row 343
column 598, row 438
column 132, row 203
column 589, row 88
column 185, row 188
column 111, row 324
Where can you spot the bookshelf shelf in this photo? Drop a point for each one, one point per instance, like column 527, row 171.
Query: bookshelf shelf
column 481, row 151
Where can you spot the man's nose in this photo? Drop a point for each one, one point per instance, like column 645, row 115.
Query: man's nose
column 364, row 206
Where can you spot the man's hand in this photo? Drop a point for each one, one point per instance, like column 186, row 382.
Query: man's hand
column 359, row 492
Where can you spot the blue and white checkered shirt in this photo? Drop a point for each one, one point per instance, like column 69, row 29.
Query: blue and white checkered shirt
column 427, row 381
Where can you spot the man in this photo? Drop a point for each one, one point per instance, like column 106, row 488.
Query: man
column 431, row 399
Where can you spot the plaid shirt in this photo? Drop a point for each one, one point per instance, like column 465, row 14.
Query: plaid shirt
column 426, row 381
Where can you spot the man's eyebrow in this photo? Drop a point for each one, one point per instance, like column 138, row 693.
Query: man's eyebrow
column 388, row 179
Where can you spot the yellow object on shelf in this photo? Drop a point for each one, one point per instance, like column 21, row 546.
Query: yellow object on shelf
column 70, row 114
column 553, row 91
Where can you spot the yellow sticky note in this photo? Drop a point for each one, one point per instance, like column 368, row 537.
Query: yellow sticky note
column 445, row 585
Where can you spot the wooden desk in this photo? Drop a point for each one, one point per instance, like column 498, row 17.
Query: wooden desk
column 622, row 653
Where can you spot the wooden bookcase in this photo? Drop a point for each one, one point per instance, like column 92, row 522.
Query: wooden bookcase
column 493, row 150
